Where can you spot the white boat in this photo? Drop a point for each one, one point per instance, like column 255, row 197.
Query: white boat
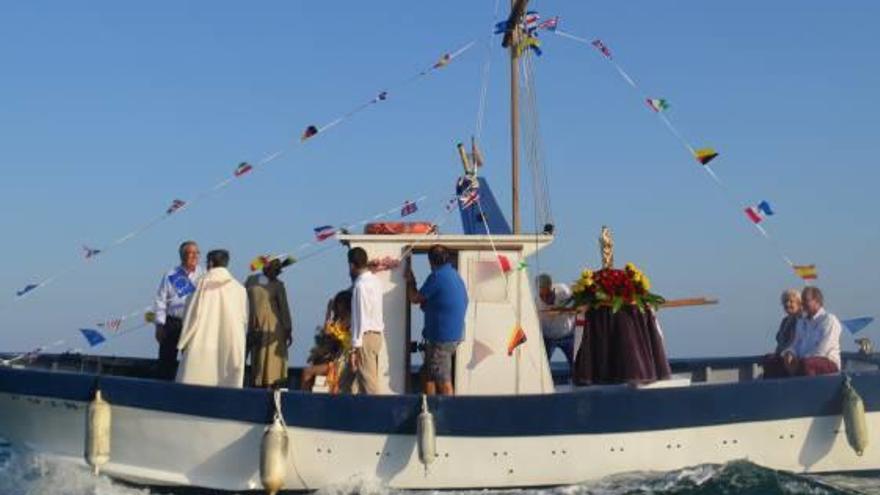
column 510, row 423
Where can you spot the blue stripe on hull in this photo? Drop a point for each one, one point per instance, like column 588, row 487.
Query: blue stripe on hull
column 590, row 410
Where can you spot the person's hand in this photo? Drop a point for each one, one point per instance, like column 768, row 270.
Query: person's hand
column 787, row 357
column 352, row 360
column 160, row 333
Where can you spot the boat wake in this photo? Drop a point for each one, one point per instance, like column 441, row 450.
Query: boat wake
column 26, row 474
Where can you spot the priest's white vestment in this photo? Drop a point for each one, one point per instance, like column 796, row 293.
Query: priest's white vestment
column 212, row 342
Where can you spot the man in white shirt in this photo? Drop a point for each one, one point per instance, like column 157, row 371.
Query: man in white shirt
column 816, row 346
column 557, row 328
column 367, row 324
column 175, row 290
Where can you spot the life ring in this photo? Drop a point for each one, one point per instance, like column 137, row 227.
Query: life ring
column 398, row 228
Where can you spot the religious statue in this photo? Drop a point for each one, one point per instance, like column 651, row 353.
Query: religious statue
column 606, row 248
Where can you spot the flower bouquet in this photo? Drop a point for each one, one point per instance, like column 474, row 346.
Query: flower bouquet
column 610, row 287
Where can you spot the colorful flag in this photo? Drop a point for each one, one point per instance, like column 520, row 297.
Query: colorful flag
column 522, row 265
column 443, row 62
column 113, row 324
column 856, row 325
column 90, row 252
column 308, row 133
column 504, row 263
column 535, row 44
column 658, row 104
column 531, row 20
column 258, row 263
column 517, row 338
column 324, row 232
column 150, row 317
column 175, row 205
column 408, row 208
column 93, row 337
column 243, row 168
column 382, row 96
column 705, row 155
column 551, row 24
column 806, row 272
column 602, row 48
column 757, row 213
column 27, row 288
column 501, row 27
column 470, row 197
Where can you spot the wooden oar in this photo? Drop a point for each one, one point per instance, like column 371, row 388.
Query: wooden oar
column 671, row 303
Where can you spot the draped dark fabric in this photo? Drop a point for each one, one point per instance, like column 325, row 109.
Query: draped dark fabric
column 785, row 335
column 620, row 347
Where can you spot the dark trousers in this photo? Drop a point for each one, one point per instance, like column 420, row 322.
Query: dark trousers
column 167, row 368
column 565, row 344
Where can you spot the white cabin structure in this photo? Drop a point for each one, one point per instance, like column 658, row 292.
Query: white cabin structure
column 499, row 301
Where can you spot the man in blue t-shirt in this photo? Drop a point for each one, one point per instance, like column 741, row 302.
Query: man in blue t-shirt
column 443, row 298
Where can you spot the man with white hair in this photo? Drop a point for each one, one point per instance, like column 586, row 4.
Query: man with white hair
column 556, row 327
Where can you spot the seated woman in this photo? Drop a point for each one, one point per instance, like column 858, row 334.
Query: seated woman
column 791, row 304
column 329, row 356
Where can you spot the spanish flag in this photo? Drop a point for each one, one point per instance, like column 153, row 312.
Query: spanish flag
column 806, row 272
column 705, row 155
column 517, row 338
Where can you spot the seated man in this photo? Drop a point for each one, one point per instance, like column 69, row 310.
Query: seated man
column 444, row 299
column 816, row 346
column 557, row 328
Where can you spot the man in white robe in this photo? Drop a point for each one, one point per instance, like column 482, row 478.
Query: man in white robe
column 212, row 343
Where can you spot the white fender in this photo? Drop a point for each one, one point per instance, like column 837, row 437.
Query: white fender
column 98, row 422
column 274, row 452
column 427, row 436
column 854, row 418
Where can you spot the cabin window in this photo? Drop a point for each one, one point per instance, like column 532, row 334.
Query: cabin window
column 488, row 284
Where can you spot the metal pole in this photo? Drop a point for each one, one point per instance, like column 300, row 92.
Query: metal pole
column 514, row 119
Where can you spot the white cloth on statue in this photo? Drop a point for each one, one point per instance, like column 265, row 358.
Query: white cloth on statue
column 559, row 325
column 818, row 336
column 212, row 342
column 366, row 307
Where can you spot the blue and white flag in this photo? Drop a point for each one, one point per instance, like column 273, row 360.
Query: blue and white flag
column 183, row 286
column 93, row 337
column 856, row 325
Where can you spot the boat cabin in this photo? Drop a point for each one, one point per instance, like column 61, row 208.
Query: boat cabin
column 500, row 301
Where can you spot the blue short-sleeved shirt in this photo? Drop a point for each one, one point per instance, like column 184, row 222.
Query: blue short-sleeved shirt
column 445, row 305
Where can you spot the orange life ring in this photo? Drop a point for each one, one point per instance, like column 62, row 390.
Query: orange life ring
column 397, row 228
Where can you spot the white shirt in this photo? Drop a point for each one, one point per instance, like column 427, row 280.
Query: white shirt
column 556, row 326
column 171, row 299
column 366, row 307
column 818, row 336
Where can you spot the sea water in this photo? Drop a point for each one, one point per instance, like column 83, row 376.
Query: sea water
column 26, row 474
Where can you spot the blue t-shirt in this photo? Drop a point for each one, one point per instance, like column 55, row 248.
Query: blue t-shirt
column 445, row 305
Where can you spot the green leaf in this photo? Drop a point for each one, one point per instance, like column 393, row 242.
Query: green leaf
column 616, row 304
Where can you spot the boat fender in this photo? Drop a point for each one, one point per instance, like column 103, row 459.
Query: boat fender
column 854, row 418
column 98, row 421
column 274, row 451
column 427, row 435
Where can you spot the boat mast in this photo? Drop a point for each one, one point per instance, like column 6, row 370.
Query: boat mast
column 512, row 40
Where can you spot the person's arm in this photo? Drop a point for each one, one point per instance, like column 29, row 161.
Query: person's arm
column 357, row 311
column 160, row 307
column 412, row 293
column 284, row 309
column 789, row 353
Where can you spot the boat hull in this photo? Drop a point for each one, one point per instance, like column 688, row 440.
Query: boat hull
column 172, row 434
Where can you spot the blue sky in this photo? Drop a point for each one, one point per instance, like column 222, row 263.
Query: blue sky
column 110, row 110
